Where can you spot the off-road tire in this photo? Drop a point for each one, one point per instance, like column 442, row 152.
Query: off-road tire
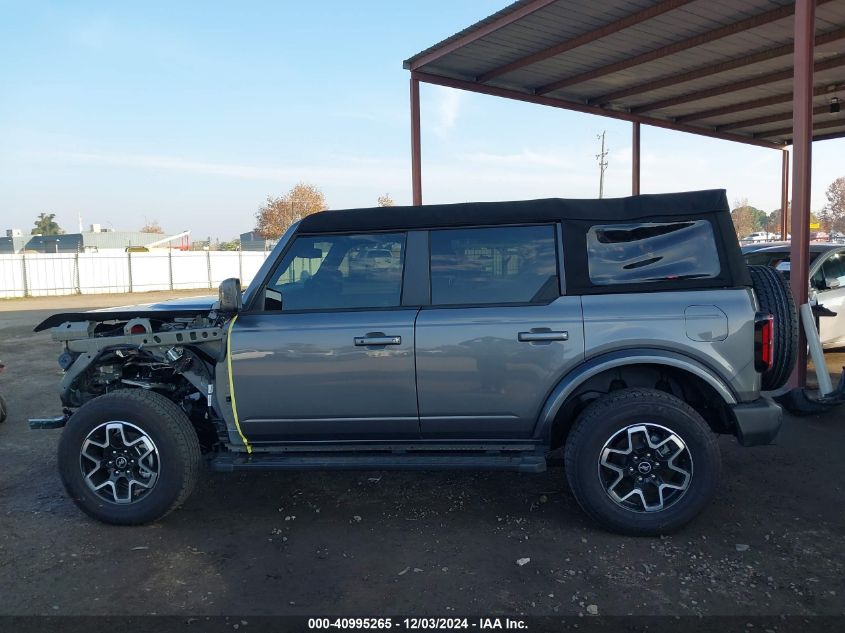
column 612, row 413
column 168, row 427
column 775, row 297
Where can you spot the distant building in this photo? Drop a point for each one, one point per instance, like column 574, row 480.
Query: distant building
column 94, row 241
column 252, row 241
column 13, row 242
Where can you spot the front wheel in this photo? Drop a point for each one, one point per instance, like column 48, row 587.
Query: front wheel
column 129, row 457
column 642, row 462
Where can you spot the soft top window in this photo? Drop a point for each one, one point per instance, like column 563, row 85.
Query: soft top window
column 647, row 252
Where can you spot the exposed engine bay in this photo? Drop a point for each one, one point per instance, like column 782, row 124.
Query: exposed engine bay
column 171, row 355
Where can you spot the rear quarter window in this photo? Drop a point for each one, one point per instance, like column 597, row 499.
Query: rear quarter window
column 649, row 252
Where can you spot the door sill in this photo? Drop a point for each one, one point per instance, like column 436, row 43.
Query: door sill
column 527, row 463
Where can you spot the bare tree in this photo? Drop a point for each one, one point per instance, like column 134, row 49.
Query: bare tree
column 743, row 218
column 385, row 201
column 277, row 214
column 832, row 216
column 152, row 227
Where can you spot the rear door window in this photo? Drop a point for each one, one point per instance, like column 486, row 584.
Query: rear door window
column 497, row 265
column 649, row 252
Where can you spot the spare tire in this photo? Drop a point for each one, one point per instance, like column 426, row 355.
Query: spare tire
column 775, row 298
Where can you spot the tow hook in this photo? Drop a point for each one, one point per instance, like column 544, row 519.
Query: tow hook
column 38, row 424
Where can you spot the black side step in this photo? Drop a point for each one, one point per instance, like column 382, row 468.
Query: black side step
column 388, row 461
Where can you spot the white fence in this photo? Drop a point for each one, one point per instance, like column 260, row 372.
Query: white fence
column 37, row 275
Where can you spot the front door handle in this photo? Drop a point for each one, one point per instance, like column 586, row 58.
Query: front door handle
column 365, row 341
column 546, row 335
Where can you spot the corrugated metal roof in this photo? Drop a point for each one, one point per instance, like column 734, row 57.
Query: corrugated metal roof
column 714, row 67
column 12, row 244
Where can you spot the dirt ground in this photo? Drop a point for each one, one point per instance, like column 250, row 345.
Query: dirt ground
column 377, row 543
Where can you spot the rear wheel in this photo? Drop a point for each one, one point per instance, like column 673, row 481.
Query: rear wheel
column 775, row 298
column 642, row 462
column 129, row 457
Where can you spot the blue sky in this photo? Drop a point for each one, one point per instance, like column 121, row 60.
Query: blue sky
column 192, row 113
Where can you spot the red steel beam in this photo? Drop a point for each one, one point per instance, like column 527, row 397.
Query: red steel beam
column 585, row 38
column 482, row 31
column 802, row 148
column 750, row 82
column 712, row 69
column 746, row 105
column 787, row 131
column 784, row 195
column 635, row 159
column 587, row 109
column 754, row 21
column 416, row 158
column 763, row 120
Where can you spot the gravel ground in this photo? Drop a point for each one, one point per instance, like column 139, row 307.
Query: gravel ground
column 377, row 543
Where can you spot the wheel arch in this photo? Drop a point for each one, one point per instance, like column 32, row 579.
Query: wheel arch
column 693, row 378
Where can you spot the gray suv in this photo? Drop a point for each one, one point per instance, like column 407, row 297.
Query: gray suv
column 625, row 332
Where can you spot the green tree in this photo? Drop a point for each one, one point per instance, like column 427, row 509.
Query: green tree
column 760, row 219
column 234, row 245
column 45, row 224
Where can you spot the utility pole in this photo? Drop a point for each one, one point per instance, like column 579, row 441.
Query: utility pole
column 602, row 158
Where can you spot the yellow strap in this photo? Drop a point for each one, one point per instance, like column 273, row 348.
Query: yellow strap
column 232, row 382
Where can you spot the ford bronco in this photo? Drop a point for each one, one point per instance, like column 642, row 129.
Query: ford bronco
column 625, row 332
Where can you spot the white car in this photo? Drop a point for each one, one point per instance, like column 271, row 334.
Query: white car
column 761, row 236
column 827, row 282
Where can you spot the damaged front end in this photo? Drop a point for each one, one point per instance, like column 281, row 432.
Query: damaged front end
column 171, row 353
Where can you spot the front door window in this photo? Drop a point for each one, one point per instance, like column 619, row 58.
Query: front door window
column 339, row 272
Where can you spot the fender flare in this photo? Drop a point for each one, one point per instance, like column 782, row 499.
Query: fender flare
column 621, row 358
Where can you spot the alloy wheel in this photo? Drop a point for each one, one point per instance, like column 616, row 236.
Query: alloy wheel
column 120, row 462
column 645, row 467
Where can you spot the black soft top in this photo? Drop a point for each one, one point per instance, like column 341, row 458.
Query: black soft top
column 578, row 216
column 660, row 205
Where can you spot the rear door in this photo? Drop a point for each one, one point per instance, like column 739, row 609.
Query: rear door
column 330, row 353
column 497, row 336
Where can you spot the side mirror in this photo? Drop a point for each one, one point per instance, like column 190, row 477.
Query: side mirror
column 230, row 295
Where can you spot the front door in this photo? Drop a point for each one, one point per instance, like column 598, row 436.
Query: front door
column 330, row 353
column 829, row 284
column 497, row 337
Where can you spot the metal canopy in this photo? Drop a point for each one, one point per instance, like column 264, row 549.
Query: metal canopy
column 718, row 68
column 762, row 72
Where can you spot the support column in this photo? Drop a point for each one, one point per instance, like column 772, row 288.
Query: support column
column 802, row 147
column 416, row 163
column 784, row 196
column 635, row 159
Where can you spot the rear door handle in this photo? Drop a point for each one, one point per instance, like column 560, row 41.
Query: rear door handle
column 548, row 335
column 364, row 341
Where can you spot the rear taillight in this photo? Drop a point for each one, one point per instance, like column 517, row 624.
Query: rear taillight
column 764, row 342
